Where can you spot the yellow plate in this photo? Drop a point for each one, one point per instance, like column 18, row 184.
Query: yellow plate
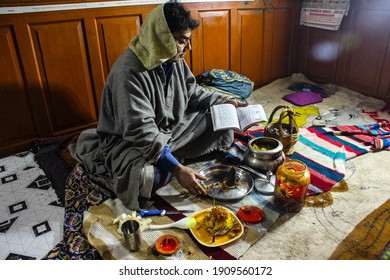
column 206, row 239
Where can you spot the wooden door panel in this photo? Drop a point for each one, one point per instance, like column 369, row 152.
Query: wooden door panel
column 357, row 56
column 277, row 44
column 367, row 50
column 115, row 34
column 211, row 44
column 324, row 49
column 250, row 50
column 16, row 121
column 64, row 71
column 384, row 86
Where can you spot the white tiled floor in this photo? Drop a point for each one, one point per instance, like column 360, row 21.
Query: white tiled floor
column 31, row 218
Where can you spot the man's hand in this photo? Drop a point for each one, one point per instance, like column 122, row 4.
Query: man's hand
column 188, row 179
column 237, row 102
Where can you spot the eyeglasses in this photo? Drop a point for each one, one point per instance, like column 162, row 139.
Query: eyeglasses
column 183, row 41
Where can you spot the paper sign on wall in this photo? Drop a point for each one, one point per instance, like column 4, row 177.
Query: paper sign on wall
column 325, row 14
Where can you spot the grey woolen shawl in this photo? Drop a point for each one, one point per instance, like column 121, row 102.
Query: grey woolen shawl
column 141, row 112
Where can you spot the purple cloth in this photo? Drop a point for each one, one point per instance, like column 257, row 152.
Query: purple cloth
column 302, row 98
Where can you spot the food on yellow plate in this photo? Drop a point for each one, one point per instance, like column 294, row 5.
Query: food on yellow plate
column 218, row 221
column 216, row 226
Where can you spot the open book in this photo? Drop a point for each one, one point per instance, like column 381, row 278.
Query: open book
column 227, row 116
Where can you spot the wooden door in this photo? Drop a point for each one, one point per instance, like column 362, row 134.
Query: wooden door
column 211, row 41
column 247, row 44
column 113, row 36
column 366, row 53
column 16, row 118
column 279, row 31
column 356, row 56
column 63, row 76
column 323, row 49
column 384, row 85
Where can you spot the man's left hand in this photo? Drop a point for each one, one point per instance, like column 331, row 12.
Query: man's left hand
column 237, row 102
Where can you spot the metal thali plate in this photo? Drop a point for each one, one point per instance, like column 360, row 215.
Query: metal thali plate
column 218, row 173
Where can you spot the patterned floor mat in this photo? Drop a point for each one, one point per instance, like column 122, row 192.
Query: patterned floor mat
column 31, row 216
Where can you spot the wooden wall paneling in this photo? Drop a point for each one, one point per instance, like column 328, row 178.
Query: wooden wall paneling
column 278, row 30
column 114, row 34
column 374, row 4
column 32, row 79
column 359, row 52
column 96, row 59
column 302, row 45
column 324, row 49
column 250, row 44
column 38, row 2
column 63, row 57
column 384, row 85
column 211, row 41
column 294, row 45
column 345, row 43
column 17, row 126
column 366, row 55
column 188, row 58
column 64, row 70
column 235, row 41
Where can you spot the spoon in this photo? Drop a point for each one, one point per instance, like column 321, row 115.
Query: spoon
column 185, row 223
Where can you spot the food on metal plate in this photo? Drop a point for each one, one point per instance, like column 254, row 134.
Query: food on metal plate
column 218, row 183
column 221, row 185
column 229, row 182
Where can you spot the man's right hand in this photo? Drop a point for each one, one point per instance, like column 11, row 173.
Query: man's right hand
column 188, row 179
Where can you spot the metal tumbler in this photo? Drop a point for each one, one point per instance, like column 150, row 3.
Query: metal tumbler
column 132, row 235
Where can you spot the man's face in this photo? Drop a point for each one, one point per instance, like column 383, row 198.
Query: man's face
column 183, row 44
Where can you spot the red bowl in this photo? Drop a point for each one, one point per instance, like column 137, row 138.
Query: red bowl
column 250, row 214
column 167, row 244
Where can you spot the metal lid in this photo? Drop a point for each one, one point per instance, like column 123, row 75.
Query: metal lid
column 265, row 185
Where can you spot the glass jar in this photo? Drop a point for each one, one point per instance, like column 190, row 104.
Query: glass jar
column 292, row 181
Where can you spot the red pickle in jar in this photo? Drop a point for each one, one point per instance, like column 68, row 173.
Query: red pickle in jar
column 292, row 181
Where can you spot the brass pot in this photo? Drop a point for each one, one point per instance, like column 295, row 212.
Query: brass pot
column 264, row 154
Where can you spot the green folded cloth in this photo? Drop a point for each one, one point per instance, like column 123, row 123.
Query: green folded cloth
column 155, row 43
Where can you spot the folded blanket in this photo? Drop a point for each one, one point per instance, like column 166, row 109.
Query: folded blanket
column 376, row 136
